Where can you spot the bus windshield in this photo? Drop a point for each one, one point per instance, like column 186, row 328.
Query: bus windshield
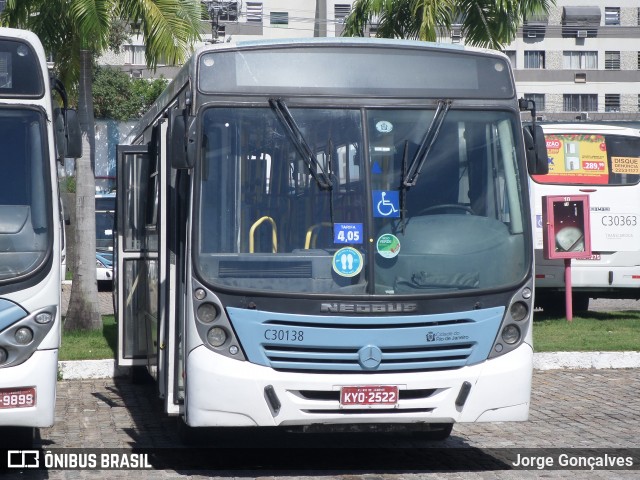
column 25, row 223
column 266, row 224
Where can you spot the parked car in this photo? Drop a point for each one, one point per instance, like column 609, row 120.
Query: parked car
column 104, row 269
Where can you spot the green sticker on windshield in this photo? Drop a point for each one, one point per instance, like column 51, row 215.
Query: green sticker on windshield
column 388, row 245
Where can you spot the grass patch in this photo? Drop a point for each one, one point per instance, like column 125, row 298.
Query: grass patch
column 589, row 332
column 91, row 344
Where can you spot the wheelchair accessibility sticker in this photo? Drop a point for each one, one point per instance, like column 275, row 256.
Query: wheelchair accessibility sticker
column 347, row 262
column 386, row 203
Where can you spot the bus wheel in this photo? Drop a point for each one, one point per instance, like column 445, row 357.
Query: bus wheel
column 187, row 436
column 580, row 302
column 555, row 304
column 435, row 432
column 17, row 437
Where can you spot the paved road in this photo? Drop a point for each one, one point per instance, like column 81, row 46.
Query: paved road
column 104, row 297
column 570, row 409
column 613, row 305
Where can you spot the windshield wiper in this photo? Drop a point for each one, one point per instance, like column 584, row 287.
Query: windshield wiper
column 292, row 129
column 411, row 175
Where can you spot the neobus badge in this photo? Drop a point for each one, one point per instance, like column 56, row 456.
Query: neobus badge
column 368, row 307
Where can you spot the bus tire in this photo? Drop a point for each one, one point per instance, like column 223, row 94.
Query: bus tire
column 17, row 437
column 553, row 303
column 580, row 302
column 187, row 436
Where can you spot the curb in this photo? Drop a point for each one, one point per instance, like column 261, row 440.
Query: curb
column 92, row 369
column 585, row 360
column 89, row 369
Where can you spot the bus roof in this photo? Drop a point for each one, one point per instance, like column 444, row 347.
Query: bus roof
column 598, row 128
column 23, row 65
column 344, row 41
column 17, row 33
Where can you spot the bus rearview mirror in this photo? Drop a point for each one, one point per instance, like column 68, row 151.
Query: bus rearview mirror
column 59, row 132
column 182, row 139
column 536, row 150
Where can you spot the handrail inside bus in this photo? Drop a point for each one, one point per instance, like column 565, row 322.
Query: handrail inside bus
column 274, row 234
column 313, row 229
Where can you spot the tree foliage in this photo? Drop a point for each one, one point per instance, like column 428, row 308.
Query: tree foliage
column 484, row 23
column 119, row 97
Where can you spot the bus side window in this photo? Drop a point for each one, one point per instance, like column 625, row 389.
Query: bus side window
column 13, row 165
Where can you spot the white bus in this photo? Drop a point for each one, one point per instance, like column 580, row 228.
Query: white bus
column 32, row 135
column 105, row 221
column 603, row 162
column 331, row 232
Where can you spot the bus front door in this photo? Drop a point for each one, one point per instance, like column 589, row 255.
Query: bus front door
column 133, row 257
column 146, row 327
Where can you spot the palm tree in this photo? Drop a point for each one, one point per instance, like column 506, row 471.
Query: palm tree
column 485, row 23
column 75, row 32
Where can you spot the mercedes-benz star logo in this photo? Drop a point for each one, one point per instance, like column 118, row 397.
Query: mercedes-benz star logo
column 369, row 357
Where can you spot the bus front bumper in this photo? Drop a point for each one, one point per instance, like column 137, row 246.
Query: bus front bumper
column 40, row 373
column 606, row 274
column 225, row 392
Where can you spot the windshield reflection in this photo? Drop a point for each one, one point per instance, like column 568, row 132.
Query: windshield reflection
column 267, row 223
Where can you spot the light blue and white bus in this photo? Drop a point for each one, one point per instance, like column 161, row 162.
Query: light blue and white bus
column 32, row 136
column 331, row 232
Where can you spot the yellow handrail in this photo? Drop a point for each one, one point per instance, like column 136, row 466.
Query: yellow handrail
column 313, row 229
column 274, row 234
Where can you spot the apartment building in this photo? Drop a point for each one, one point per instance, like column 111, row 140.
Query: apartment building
column 582, row 61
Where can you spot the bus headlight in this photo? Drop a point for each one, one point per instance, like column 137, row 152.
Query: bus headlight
column 510, row 334
column 3, row 355
column 207, row 312
column 519, row 311
column 23, row 336
column 216, row 336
